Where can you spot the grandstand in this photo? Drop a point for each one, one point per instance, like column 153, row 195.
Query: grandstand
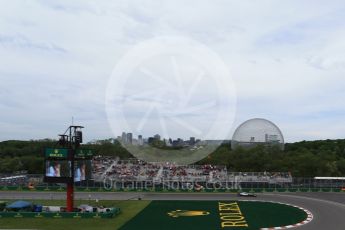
column 134, row 173
column 137, row 170
column 13, row 180
column 168, row 174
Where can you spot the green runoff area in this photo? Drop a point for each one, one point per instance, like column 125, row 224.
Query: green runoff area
column 128, row 210
column 215, row 215
column 170, row 215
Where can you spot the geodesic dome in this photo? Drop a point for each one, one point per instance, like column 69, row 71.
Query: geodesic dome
column 257, row 131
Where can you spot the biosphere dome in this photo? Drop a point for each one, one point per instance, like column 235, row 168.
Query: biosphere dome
column 257, row 131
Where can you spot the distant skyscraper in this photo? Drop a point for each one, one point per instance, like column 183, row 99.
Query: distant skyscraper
column 140, row 140
column 129, row 138
column 157, row 137
column 178, row 142
column 192, row 141
column 124, row 138
column 150, row 140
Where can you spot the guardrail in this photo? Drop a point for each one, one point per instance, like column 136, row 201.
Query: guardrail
column 250, row 182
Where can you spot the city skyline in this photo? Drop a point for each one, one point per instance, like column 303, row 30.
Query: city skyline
column 127, row 138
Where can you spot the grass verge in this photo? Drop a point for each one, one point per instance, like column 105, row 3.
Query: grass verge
column 128, row 210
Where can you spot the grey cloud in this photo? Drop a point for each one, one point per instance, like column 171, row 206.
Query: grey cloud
column 22, row 41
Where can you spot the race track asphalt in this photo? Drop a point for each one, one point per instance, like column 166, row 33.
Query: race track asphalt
column 328, row 208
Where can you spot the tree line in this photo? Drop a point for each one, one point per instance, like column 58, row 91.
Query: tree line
column 302, row 159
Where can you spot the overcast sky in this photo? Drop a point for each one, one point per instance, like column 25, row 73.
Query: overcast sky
column 286, row 60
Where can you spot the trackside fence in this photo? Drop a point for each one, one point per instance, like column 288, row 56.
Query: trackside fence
column 231, row 183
